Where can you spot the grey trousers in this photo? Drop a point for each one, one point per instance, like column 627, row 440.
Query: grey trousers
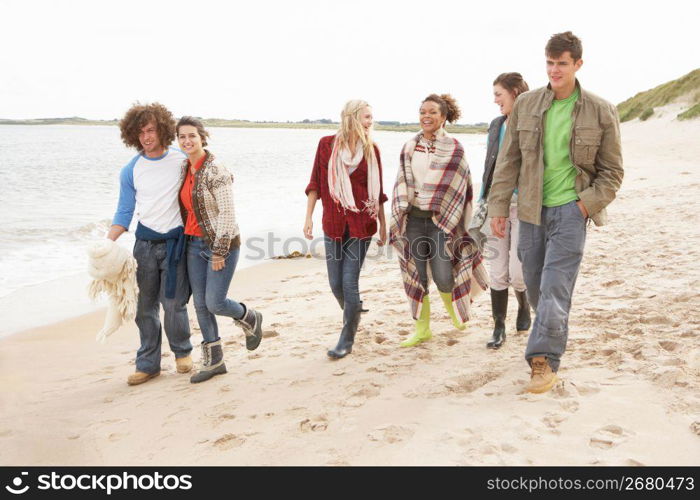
column 427, row 244
column 150, row 276
column 551, row 255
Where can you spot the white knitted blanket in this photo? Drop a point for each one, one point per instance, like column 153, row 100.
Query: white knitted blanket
column 113, row 270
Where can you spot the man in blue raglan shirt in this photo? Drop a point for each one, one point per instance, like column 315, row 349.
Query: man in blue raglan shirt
column 149, row 186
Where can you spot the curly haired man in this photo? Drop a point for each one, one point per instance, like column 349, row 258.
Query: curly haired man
column 150, row 182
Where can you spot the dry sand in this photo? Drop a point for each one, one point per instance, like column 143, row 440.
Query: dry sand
column 629, row 394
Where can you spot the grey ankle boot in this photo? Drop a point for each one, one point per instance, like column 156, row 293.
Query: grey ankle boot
column 251, row 322
column 499, row 307
column 523, row 321
column 212, row 362
column 351, row 320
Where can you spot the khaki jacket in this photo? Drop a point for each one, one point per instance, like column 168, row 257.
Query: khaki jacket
column 595, row 152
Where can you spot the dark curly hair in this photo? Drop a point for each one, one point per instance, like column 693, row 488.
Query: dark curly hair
column 194, row 122
column 140, row 115
column 448, row 106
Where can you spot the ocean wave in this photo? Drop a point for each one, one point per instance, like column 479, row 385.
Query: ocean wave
column 93, row 229
column 23, row 234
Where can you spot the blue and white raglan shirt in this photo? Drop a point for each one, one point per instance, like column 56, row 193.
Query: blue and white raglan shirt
column 150, row 187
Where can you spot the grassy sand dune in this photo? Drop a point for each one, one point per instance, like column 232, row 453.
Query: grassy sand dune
column 685, row 89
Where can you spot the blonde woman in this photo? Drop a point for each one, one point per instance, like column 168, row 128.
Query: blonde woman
column 430, row 213
column 347, row 176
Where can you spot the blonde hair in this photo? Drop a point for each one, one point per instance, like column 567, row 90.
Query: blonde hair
column 351, row 128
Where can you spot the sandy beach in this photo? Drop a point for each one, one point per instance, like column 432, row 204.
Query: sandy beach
column 630, row 390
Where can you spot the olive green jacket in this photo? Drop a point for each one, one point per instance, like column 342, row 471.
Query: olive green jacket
column 594, row 149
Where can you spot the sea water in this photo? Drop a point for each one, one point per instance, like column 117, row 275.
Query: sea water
column 60, row 185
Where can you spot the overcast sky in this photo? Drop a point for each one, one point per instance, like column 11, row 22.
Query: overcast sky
column 270, row 60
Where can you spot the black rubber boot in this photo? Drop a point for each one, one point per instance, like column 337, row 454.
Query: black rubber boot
column 351, row 319
column 251, row 322
column 212, row 362
column 523, row 322
column 499, row 307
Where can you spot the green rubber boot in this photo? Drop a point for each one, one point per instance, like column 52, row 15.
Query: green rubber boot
column 447, row 299
column 423, row 332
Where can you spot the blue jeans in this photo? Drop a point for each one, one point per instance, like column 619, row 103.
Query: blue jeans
column 344, row 260
column 150, row 276
column 551, row 254
column 209, row 287
column 427, row 244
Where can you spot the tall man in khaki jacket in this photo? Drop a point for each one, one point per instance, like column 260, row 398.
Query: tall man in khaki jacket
column 562, row 152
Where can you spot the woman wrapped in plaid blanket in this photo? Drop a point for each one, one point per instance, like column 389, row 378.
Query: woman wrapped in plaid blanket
column 430, row 215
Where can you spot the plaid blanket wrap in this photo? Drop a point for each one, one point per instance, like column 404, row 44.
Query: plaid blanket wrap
column 447, row 192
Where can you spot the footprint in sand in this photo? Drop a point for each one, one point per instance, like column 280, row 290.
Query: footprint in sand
column 695, row 427
column 565, row 390
column 226, row 416
column 390, row 434
column 379, row 339
column 470, row 382
column 360, row 392
column 451, row 342
column 670, row 345
column 669, row 378
column 317, row 424
column 300, row 382
column 228, row 441
column 376, row 369
column 115, row 436
column 609, row 437
column 255, row 372
column 508, row 448
column 655, row 319
column 268, row 334
column 570, row 405
column 608, row 284
column 552, row 420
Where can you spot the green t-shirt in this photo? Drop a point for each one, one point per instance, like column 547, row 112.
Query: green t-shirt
column 559, row 171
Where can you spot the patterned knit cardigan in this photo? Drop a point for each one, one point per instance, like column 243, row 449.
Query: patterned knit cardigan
column 447, row 192
column 212, row 200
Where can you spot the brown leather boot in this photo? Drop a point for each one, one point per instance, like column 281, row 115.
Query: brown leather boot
column 138, row 377
column 184, row 365
column 542, row 377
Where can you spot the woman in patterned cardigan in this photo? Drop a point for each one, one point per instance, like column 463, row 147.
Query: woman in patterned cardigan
column 213, row 245
column 430, row 214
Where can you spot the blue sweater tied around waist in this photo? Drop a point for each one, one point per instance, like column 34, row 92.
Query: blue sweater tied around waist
column 175, row 250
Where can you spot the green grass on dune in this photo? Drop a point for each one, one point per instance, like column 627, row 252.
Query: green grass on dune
column 691, row 113
column 662, row 95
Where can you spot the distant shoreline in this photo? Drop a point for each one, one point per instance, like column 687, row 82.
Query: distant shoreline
column 216, row 122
